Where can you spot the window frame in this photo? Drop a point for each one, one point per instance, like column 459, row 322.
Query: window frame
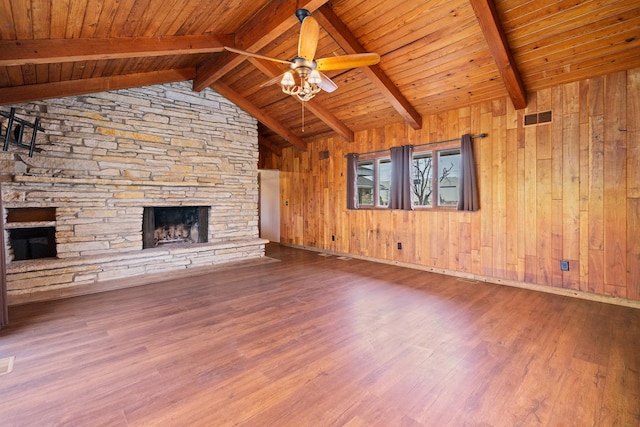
column 375, row 159
column 435, row 150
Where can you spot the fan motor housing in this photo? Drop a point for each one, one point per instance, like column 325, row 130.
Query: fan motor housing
column 301, row 14
column 302, row 67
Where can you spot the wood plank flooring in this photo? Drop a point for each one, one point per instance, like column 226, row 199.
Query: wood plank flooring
column 319, row 341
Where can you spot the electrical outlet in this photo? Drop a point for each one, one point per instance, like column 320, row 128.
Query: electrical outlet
column 564, row 265
column 399, row 245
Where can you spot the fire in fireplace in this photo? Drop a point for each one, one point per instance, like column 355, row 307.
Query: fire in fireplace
column 168, row 225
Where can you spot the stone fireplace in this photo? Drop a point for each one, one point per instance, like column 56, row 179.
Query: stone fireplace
column 174, row 225
column 140, row 183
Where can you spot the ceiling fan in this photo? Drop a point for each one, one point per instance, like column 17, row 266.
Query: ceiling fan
column 306, row 67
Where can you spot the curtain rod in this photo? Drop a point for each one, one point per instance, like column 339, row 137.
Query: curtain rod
column 482, row 135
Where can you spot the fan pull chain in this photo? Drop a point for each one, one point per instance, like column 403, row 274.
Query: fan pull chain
column 302, row 116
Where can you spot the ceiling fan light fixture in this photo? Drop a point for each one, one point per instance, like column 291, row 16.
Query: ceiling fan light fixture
column 287, row 80
column 314, row 78
column 307, row 89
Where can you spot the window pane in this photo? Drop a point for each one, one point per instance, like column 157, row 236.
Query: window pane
column 365, row 183
column 384, row 182
column 448, row 174
column 422, row 186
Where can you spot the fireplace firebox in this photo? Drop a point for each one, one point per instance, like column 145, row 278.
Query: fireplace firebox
column 174, row 225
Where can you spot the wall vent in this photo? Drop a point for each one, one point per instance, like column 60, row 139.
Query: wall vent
column 537, row 118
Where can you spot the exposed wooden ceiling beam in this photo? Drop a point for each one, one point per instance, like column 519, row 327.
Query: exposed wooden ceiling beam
column 22, row 52
column 269, row 145
column 267, row 120
column 491, row 26
column 273, row 20
column 16, row 94
column 271, row 70
column 347, row 41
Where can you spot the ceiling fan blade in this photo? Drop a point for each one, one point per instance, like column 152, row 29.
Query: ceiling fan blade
column 274, row 80
column 308, row 42
column 257, row 55
column 326, row 84
column 347, row 61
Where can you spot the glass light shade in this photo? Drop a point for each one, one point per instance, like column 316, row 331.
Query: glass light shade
column 287, row 79
column 314, row 78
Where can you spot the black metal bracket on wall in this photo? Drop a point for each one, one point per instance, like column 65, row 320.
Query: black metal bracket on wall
column 18, row 132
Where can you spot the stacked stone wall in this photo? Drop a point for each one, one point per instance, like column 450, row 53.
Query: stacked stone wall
column 107, row 156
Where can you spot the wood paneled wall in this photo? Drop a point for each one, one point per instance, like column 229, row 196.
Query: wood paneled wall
column 569, row 189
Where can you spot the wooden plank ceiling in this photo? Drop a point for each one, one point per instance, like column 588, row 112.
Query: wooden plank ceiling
column 435, row 54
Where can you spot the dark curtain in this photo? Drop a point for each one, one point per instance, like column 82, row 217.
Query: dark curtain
column 467, row 187
column 4, row 309
column 352, row 184
column 401, row 177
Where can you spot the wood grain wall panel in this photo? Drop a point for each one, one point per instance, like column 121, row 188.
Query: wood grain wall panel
column 584, row 251
column 543, row 136
column 522, row 226
column 556, row 148
column 41, row 13
column 530, row 203
column 54, row 72
column 544, row 218
column 557, row 189
column 554, row 191
column 596, row 195
column 633, row 135
column 584, row 197
column 557, row 242
column 513, row 197
column 633, row 184
column 92, row 18
column 633, row 248
column 571, row 197
column 7, row 30
column 4, row 77
column 615, row 186
column 42, row 73
column 475, row 116
column 22, row 20
column 58, row 22
column 499, row 188
column 75, row 21
column 66, row 70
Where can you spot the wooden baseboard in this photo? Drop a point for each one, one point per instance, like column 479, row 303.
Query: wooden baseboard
column 625, row 302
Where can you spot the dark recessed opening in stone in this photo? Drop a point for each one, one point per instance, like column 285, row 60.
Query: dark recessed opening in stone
column 170, row 225
column 33, row 243
column 30, row 214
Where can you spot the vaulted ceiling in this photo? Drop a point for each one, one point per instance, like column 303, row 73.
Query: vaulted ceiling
column 435, row 54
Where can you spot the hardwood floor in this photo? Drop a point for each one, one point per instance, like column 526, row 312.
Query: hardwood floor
column 319, row 341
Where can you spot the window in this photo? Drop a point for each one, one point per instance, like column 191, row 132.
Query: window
column 434, row 180
column 374, row 182
column 443, row 186
column 422, row 181
column 448, row 174
column 366, row 183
